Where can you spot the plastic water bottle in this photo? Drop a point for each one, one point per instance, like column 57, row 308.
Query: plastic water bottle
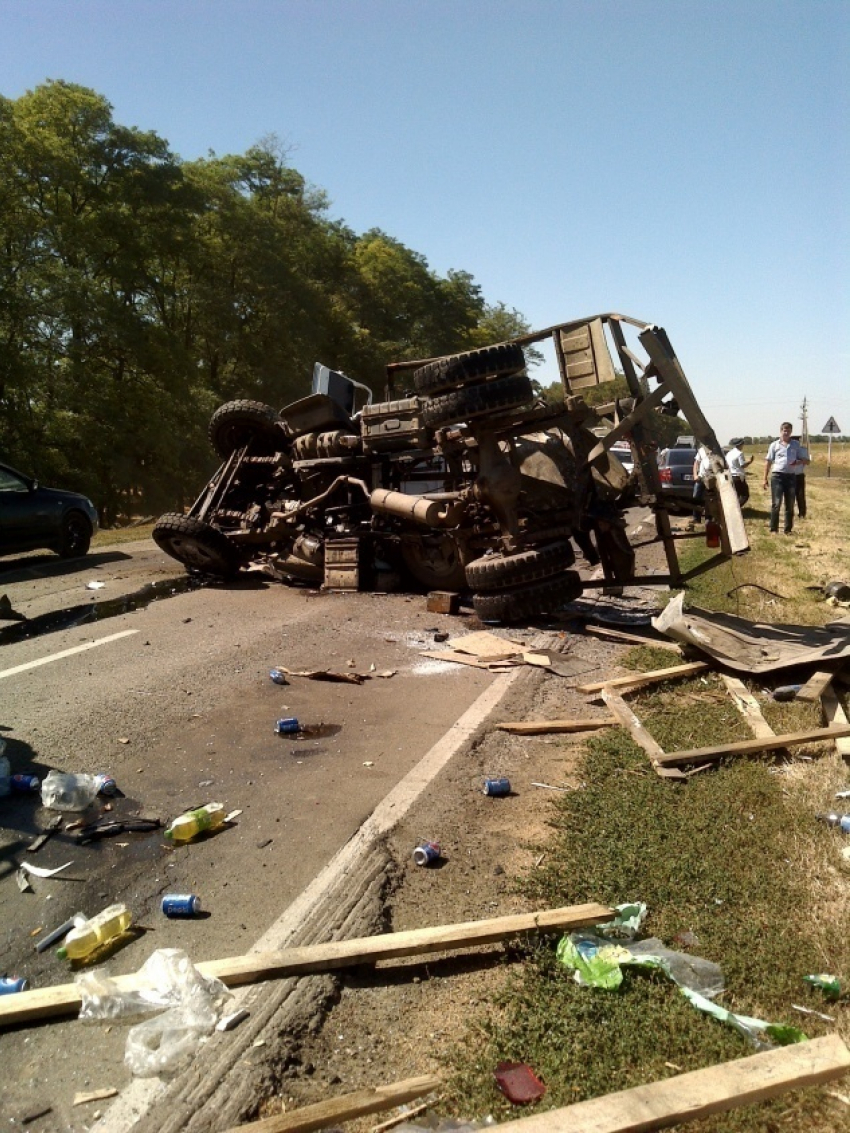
column 840, row 820
column 61, row 791
column 89, row 935
column 195, row 822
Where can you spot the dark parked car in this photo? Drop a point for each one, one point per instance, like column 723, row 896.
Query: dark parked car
column 676, row 473
column 32, row 517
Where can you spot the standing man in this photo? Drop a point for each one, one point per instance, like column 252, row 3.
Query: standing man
column 800, row 473
column 783, row 458
column 738, row 464
column 702, row 466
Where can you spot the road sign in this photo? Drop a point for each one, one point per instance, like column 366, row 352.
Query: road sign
column 831, row 426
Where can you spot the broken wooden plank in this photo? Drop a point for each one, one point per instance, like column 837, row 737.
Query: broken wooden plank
column 544, row 727
column 699, row 1093
column 631, row 638
column 750, row 747
column 815, row 686
column 333, row 1111
column 748, row 706
column 640, row 735
column 464, row 659
column 41, row 1003
column 639, row 680
column 835, row 717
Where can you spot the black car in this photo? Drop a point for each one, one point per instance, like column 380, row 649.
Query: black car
column 32, row 517
column 676, row 473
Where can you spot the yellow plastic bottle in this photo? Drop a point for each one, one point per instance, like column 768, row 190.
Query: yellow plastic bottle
column 91, row 934
column 195, row 822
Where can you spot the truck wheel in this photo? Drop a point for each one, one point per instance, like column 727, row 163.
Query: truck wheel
column 434, row 562
column 238, row 423
column 500, row 394
column 457, row 369
column 76, row 536
column 497, row 572
column 197, row 545
column 524, row 602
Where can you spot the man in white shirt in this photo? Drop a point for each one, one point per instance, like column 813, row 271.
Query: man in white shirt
column 783, row 458
column 737, row 464
column 702, row 466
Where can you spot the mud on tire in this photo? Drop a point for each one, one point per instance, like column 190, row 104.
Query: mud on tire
column 524, row 602
column 499, row 572
column 474, row 365
column 196, row 544
column 500, row 394
column 238, row 423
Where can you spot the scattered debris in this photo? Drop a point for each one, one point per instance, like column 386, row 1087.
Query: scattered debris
column 95, row 1096
column 518, row 1083
column 753, row 647
column 40, row 871
column 53, row 825
column 546, row 727
column 328, row 675
column 110, row 827
column 60, row 932
column 442, row 602
column 231, row 1021
column 654, row 676
column 95, row 585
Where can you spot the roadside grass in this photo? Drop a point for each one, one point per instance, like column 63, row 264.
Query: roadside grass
column 133, row 533
column 735, row 857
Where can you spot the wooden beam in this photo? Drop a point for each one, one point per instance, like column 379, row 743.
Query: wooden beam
column 748, row 706
column 640, row 735
column 346, row 1107
column 41, row 1003
column 630, row 638
column 750, row 747
column 639, row 680
column 544, row 727
column 627, row 424
column 698, row 1094
column 815, row 686
column 835, row 717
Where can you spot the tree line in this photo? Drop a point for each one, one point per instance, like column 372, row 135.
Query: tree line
column 139, row 291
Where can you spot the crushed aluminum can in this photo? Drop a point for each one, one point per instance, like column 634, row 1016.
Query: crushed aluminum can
column 426, row 853
column 278, row 676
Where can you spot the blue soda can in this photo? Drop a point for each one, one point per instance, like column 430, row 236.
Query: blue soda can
column 426, row 853
column 181, row 905
column 24, row 782
column 10, row 986
column 497, row 787
column 106, row 785
column 278, row 677
column 287, row 727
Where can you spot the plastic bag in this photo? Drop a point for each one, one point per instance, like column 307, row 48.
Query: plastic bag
column 165, row 1044
column 168, row 979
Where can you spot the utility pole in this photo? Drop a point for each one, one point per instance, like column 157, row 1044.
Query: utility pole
column 804, row 417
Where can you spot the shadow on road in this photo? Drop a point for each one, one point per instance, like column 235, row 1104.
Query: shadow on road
column 49, row 566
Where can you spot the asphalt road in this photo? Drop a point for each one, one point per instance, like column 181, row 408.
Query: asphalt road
column 173, row 698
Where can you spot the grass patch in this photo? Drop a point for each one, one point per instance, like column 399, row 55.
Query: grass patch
column 736, row 857
column 112, row 536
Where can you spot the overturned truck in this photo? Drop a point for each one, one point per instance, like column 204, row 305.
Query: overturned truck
column 461, row 479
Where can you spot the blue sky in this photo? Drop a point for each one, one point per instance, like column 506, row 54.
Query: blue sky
column 686, row 162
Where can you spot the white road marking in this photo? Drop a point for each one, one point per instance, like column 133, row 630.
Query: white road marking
column 65, row 653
